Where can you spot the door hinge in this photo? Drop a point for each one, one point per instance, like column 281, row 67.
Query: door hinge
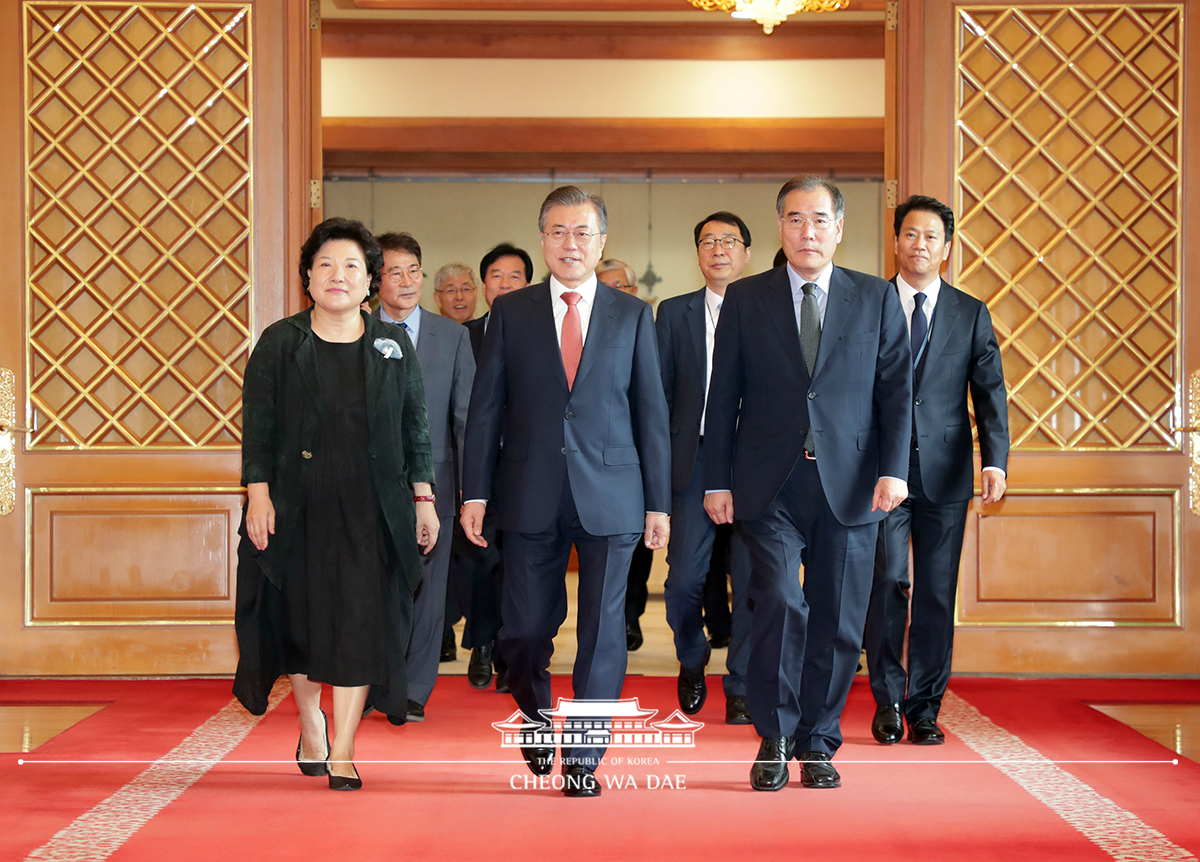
column 891, row 194
column 893, row 14
column 314, row 194
column 314, row 14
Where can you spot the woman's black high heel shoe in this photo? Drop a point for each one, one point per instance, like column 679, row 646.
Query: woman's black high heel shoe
column 338, row 782
column 314, row 768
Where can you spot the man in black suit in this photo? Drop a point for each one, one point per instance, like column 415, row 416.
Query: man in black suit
column 954, row 352
column 806, row 444
column 448, row 369
column 478, row 572
column 686, row 329
column 569, row 377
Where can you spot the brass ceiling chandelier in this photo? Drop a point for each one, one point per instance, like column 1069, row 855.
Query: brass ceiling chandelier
column 768, row 13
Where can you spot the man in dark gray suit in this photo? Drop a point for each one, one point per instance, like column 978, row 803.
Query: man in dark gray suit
column 806, row 439
column 954, row 352
column 448, row 369
column 686, row 330
column 569, row 376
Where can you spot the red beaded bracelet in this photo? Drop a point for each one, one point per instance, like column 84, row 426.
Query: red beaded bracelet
column 424, row 498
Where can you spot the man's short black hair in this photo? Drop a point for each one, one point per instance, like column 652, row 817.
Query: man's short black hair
column 724, row 218
column 506, row 249
column 924, row 203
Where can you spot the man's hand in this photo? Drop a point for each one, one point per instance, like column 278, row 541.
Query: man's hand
column 719, row 506
column 889, row 493
column 658, row 530
column 994, row 486
column 471, row 519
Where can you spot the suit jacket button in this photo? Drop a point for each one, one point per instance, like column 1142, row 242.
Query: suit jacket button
column 569, row 415
column 917, row 402
column 811, row 396
column 306, row 454
column 563, row 450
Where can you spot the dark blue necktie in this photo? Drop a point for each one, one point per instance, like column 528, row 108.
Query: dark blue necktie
column 920, row 327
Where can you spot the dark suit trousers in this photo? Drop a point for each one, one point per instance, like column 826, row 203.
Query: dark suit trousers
column 717, row 617
column 688, row 555
column 429, row 615
column 804, row 641
column 478, row 574
column 937, row 539
column 534, row 606
column 638, row 591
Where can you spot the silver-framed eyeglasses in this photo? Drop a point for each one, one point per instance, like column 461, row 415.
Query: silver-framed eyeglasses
column 465, row 290
column 729, row 243
column 794, row 221
column 558, row 235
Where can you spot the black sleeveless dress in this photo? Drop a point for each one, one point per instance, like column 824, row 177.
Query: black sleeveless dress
column 336, row 594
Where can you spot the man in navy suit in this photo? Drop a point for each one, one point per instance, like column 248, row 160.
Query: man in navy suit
column 806, row 444
column 478, row 572
column 569, row 377
column 448, row 369
column 686, row 329
column 954, row 352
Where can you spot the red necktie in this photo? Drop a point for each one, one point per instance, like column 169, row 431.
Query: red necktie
column 572, row 336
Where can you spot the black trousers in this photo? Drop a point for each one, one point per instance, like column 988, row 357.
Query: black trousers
column 936, row 532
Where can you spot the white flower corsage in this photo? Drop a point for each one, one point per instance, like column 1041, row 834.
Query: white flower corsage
column 389, row 348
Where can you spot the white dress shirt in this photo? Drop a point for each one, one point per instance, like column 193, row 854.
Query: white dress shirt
column 712, row 314
column 587, row 291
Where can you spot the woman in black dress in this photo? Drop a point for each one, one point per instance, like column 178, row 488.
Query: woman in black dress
column 338, row 472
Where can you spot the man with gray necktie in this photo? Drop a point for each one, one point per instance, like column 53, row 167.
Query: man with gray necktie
column 448, row 368
column 806, row 436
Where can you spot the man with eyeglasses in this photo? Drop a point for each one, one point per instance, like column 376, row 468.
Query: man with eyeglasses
column 569, row 375
column 447, row 369
column 954, row 352
column 455, row 291
column 806, row 444
column 478, row 572
column 687, row 327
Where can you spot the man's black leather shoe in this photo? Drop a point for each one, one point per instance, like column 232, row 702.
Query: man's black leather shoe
column 539, row 760
column 479, row 667
column 579, row 781
column 415, row 711
column 888, row 725
column 770, row 769
column 816, row 771
column 502, row 682
column 693, row 689
column 737, row 711
column 633, row 636
column 924, row 731
column 449, row 650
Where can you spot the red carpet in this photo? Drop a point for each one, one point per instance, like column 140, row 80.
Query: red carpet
column 945, row 803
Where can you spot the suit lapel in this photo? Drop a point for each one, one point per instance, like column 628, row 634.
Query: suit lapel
column 543, row 332
column 604, row 310
column 694, row 317
column 945, row 319
column 305, row 358
column 839, row 307
column 781, row 310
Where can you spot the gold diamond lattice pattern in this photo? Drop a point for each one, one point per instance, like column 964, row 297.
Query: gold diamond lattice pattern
column 139, row 245
column 1068, row 186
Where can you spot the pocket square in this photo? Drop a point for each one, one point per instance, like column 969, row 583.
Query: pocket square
column 389, row 348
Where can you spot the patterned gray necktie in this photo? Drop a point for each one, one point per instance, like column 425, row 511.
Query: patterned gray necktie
column 810, row 341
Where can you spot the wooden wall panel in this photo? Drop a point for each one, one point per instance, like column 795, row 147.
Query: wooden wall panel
column 1082, row 558
column 131, row 557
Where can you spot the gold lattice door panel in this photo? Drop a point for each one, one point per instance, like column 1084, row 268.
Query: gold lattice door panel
column 138, row 194
column 1068, row 185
